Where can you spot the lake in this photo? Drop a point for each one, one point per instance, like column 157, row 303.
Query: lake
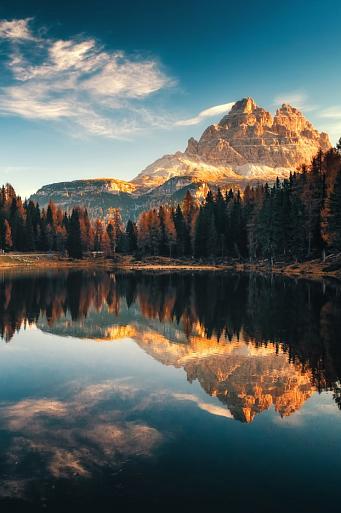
column 179, row 391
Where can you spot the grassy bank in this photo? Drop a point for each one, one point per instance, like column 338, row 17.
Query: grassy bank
column 331, row 267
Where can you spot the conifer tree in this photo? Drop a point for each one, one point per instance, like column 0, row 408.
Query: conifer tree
column 335, row 214
column 181, row 231
column 131, row 237
column 7, row 242
column 74, row 241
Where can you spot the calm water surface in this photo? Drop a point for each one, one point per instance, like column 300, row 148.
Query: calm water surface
column 175, row 391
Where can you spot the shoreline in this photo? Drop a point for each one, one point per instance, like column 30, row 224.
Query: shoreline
column 312, row 269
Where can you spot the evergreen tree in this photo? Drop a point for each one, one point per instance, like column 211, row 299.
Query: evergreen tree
column 43, row 243
column 74, row 241
column 335, row 214
column 220, row 219
column 181, row 231
column 200, row 234
column 189, row 213
column 6, row 236
column 131, row 237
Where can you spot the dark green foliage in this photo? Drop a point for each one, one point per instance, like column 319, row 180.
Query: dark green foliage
column 335, row 214
column 74, row 241
column 131, row 237
column 181, row 231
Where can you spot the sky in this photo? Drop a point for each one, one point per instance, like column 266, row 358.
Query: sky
column 103, row 88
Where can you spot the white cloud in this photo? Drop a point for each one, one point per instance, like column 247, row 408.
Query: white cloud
column 331, row 112
column 207, row 113
column 16, row 29
column 85, row 436
column 212, row 409
column 77, row 82
column 296, row 99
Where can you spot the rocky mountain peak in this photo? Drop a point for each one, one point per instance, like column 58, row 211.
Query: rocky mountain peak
column 248, row 142
column 249, row 136
column 246, row 105
column 248, row 145
column 245, row 113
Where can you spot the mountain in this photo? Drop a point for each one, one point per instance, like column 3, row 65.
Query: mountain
column 248, row 142
column 248, row 145
column 246, row 378
column 98, row 195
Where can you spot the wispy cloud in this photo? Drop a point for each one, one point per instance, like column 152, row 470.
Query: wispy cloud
column 208, row 407
column 76, row 81
column 298, row 99
column 82, row 439
column 207, row 113
column 331, row 112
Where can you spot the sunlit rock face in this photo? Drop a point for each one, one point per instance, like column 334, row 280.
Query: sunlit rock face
column 246, row 378
column 247, row 146
column 247, row 143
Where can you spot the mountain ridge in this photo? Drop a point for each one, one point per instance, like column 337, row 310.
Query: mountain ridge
column 248, row 145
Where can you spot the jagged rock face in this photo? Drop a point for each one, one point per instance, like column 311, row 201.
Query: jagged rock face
column 249, row 135
column 247, row 379
column 248, row 142
column 248, row 145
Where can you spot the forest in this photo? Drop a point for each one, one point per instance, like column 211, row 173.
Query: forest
column 292, row 220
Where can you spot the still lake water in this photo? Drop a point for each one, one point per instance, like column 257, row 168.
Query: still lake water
column 173, row 390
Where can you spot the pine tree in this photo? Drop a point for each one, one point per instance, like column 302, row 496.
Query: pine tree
column 74, row 241
column 181, row 231
column 200, row 234
column 29, row 235
column 335, row 214
column 7, row 242
column 238, row 227
column 190, row 213
column 43, row 243
column 264, row 226
column 131, row 237
column 163, row 244
column 228, row 235
column 170, row 230
column 220, row 219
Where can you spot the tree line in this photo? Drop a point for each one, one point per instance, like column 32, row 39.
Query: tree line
column 294, row 219
column 26, row 227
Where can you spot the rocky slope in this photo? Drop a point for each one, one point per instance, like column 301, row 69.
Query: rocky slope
column 248, row 145
column 97, row 195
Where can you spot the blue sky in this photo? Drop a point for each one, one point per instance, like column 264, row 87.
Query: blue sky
column 91, row 89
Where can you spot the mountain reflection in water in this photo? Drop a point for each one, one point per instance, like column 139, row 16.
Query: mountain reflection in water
column 251, row 341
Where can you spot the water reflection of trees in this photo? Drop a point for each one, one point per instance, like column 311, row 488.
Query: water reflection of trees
column 304, row 318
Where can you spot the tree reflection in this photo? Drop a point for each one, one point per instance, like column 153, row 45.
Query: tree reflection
column 299, row 318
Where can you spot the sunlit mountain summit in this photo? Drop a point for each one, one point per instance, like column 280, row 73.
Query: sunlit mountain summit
column 247, row 146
